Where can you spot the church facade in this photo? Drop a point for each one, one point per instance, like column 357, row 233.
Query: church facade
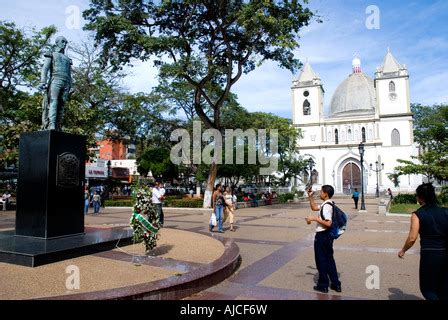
column 375, row 112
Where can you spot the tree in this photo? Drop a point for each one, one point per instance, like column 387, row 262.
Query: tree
column 20, row 53
column 97, row 91
column 230, row 37
column 431, row 133
column 157, row 161
column 289, row 163
column 20, row 111
column 176, row 95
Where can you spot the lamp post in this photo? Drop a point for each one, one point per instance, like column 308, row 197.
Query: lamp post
column 377, row 171
column 361, row 153
column 109, row 169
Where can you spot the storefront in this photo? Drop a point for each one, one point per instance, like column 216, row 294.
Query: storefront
column 96, row 175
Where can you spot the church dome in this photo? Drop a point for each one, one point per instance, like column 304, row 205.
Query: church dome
column 355, row 95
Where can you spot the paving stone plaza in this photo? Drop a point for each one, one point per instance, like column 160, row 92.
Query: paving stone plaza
column 269, row 257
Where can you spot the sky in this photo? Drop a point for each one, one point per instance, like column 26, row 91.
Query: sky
column 415, row 31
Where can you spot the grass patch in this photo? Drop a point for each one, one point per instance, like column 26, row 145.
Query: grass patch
column 405, row 208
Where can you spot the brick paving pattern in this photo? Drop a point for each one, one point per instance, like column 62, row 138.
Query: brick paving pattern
column 277, row 259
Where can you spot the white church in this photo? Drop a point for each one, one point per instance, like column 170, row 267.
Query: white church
column 373, row 111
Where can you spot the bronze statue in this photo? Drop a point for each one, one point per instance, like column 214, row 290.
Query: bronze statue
column 57, row 86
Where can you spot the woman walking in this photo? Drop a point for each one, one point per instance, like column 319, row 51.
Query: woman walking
column 218, row 207
column 431, row 222
column 229, row 209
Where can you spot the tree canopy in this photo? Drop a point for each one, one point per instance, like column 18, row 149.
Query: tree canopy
column 431, row 133
column 206, row 43
column 100, row 106
column 202, row 42
column 157, row 160
column 20, row 53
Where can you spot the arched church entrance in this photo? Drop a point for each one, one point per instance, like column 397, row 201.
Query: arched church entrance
column 351, row 178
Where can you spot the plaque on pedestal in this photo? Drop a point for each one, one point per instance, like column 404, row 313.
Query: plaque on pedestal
column 50, row 195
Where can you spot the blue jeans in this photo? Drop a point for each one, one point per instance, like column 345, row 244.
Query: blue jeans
column 219, row 212
column 96, row 207
column 86, row 207
column 323, row 254
column 160, row 212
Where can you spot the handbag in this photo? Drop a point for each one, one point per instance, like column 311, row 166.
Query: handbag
column 213, row 221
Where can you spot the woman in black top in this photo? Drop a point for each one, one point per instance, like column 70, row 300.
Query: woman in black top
column 431, row 222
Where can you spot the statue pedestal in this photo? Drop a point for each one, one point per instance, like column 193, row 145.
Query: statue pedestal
column 50, row 196
column 50, row 204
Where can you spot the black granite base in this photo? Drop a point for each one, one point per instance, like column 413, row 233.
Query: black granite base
column 34, row 252
column 50, row 190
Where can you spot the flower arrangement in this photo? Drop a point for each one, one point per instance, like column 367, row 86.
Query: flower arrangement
column 145, row 220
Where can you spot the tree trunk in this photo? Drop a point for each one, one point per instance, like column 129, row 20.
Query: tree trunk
column 198, row 189
column 210, row 185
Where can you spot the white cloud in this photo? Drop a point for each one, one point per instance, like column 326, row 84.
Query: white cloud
column 430, row 89
column 142, row 77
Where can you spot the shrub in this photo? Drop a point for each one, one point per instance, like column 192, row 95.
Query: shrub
column 12, row 193
column 405, row 198
column 443, row 197
column 284, row 197
column 176, row 197
column 119, row 203
column 184, row 203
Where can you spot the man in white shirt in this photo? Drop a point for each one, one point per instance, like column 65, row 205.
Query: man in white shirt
column 323, row 243
column 158, row 195
column 5, row 199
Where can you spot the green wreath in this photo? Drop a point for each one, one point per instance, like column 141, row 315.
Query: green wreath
column 145, row 220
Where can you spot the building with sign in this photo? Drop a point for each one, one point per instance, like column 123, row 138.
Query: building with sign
column 114, row 150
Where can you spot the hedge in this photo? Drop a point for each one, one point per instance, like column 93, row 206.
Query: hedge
column 3, row 191
column 405, row 198
column 178, row 203
column 443, row 197
column 178, row 197
column 184, row 203
column 119, row 203
column 284, row 197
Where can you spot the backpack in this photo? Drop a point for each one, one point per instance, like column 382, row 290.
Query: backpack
column 338, row 221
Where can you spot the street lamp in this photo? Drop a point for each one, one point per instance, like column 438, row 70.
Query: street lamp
column 109, row 169
column 377, row 171
column 361, row 153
